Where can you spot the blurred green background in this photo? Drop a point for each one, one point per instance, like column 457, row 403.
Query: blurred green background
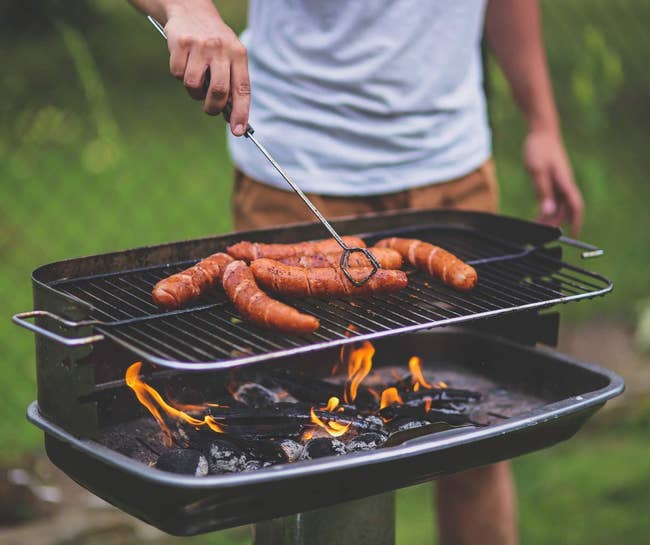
column 101, row 150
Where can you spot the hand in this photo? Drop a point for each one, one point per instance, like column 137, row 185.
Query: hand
column 558, row 195
column 199, row 40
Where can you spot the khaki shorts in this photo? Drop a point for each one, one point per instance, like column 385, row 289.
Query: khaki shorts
column 256, row 205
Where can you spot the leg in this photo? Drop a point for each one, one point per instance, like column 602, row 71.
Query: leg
column 478, row 506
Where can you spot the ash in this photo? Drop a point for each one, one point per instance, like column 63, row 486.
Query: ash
column 270, row 419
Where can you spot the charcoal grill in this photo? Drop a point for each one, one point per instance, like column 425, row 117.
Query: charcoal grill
column 94, row 318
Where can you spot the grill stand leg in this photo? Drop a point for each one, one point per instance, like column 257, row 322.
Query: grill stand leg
column 369, row 521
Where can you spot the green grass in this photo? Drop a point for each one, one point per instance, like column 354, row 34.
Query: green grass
column 101, row 150
column 593, row 489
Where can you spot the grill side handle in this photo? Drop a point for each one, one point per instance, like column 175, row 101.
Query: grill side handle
column 22, row 318
column 589, row 249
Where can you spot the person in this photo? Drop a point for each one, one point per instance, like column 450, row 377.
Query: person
column 374, row 106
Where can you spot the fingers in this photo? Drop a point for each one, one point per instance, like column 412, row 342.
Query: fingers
column 241, row 91
column 570, row 196
column 545, row 195
column 178, row 53
column 212, row 62
column 218, row 89
column 195, row 74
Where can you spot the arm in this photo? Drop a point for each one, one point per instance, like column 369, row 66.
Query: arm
column 198, row 40
column 513, row 30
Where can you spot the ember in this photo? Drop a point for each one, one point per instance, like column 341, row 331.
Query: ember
column 280, row 417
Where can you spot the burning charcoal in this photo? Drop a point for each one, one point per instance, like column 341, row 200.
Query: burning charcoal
column 252, row 465
column 374, row 421
column 292, row 449
column 255, row 395
column 403, row 424
column 443, row 394
column 225, row 457
column 269, row 451
column 365, row 441
column 184, row 461
column 322, row 446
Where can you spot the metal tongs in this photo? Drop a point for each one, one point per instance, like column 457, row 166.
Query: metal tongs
column 345, row 256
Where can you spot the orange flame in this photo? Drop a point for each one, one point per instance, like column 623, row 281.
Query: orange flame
column 389, row 397
column 152, row 400
column 335, row 429
column 416, row 374
column 359, row 365
column 343, row 352
column 427, row 404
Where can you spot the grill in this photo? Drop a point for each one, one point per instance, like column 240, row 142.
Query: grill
column 209, row 335
column 95, row 318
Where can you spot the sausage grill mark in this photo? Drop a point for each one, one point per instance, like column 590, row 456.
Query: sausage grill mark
column 324, row 282
column 437, row 262
column 180, row 288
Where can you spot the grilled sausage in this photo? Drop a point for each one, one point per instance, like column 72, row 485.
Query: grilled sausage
column 249, row 251
column 258, row 308
column 324, row 282
column 180, row 288
column 437, row 262
column 387, row 258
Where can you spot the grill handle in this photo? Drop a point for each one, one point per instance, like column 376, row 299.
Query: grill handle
column 590, row 249
column 22, row 317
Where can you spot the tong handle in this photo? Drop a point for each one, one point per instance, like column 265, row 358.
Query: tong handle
column 227, row 111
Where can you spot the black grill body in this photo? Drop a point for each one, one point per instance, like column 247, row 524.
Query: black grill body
column 81, row 365
column 569, row 392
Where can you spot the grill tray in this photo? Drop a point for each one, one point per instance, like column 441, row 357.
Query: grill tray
column 113, row 291
column 569, row 392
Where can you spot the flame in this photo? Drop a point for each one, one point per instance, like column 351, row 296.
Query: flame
column 332, row 404
column 416, row 374
column 359, row 365
column 441, row 384
column 152, row 400
column 343, row 352
column 333, row 428
column 389, row 397
column 427, row 404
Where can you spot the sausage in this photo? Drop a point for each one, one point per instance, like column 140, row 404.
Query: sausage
column 249, row 251
column 257, row 307
column 180, row 288
column 387, row 258
column 324, row 282
column 437, row 262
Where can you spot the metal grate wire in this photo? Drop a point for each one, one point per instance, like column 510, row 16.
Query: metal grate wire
column 211, row 335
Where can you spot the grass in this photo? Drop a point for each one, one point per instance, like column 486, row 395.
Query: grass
column 100, row 150
column 593, row 489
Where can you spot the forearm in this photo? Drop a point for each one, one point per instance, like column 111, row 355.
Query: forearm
column 162, row 10
column 513, row 30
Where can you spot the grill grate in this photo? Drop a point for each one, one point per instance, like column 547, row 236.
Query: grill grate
column 210, row 334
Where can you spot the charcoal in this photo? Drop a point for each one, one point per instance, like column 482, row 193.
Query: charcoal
column 403, row 424
column 292, row 449
column 183, row 460
column 255, row 395
column 322, row 446
column 252, row 465
column 450, row 415
column 269, row 451
column 224, row 456
column 365, row 441
column 375, row 422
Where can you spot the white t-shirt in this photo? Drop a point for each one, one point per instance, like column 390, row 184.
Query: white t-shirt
column 364, row 97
